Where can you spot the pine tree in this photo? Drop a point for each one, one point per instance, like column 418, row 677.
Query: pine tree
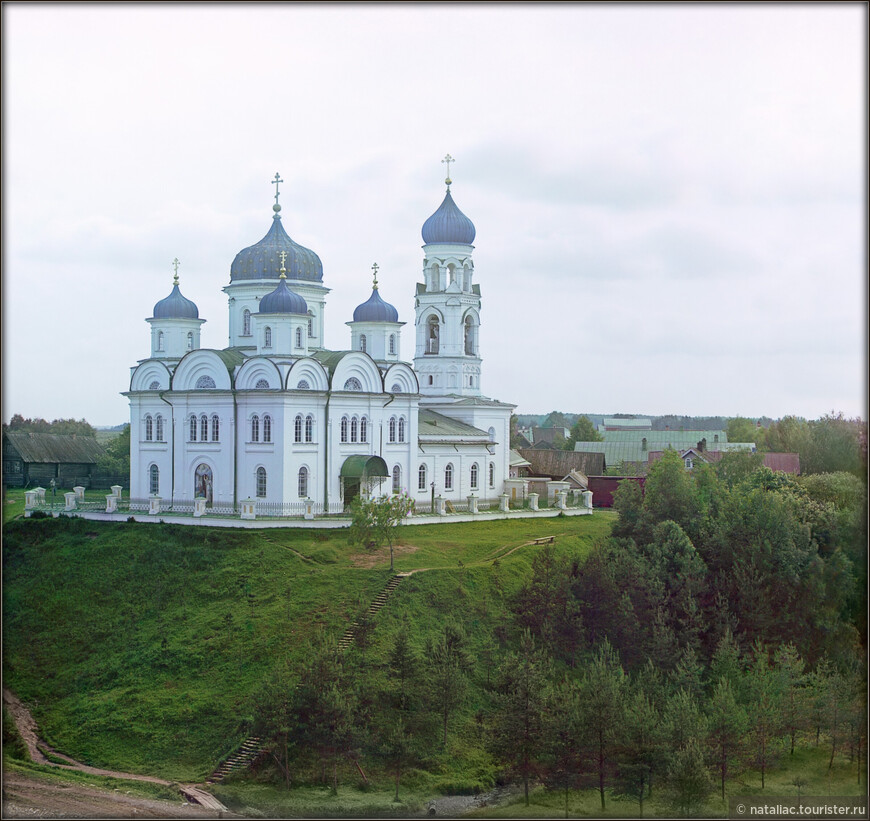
column 727, row 726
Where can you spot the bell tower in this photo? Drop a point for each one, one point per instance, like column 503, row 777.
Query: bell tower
column 447, row 304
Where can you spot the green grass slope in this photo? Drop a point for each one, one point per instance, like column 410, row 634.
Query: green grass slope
column 138, row 646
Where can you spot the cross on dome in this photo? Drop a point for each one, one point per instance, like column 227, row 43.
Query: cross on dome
column 448, row 159
column 375, row 283
column 277, row 206
column 175, row 264
column 283, row 255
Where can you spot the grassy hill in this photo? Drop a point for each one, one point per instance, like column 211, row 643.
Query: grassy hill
column 138, row 646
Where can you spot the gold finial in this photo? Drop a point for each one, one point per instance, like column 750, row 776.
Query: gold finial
column 448, row 159
column 375, row 283
column 276, row 207
column 283, row 255
column 175, row 264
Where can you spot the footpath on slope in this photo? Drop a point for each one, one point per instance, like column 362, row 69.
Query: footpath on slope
column 39, row 751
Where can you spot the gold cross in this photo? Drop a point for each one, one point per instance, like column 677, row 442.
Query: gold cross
column 283, row 255
column 275, row 182
column 448, row 159
column 175, row 264
column 375, row 269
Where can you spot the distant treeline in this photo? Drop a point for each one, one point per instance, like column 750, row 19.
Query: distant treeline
column 668, row 422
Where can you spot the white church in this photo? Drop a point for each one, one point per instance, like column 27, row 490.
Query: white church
column 275, row 421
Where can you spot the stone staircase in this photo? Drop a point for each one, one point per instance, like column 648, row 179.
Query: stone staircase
column 350, row 635
column 241, row 758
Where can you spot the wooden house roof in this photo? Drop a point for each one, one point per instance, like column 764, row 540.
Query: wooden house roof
column 55, row 448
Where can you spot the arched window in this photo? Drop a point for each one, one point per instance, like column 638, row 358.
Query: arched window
column 309, row 428
column 354, row 429
column 215, row 428
column 431, row 381
column 267, row 428
column 643, row 443
column 159, row 435
column 297, row 428
column 432, row 332
column 397, row 479
column 397, row 388
column 392, row 344
column 470, row 381
column 492, row 474
column 299, row 337
column 364, row 429
column 192, row 428
column 154, row 480
column 491, row 432
column 154, row 386
column 267, row 337
column 255, row 428
column 160, row 340
column 401, row 428
column 421, row 477
column 303, row 385
column 353, row 384
column 469, row 336
column 261, row 483
column 262, row 385
column 392, row 429
column 362, row 342
column 190, row 340
column 448, row 477
column 149, row 428
column 343, row 428
column 203, row 428
column 204, row 383
column 303, row 482
column 474, row 476
column 310, row 325
column 246, row 323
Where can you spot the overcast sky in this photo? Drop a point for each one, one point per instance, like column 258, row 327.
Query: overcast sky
column 669, row 200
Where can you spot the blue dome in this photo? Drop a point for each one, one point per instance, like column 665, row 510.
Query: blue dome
column 283, row 301
column 176, row 306
column 374, row 309
column 261, row 261
column 448, row 224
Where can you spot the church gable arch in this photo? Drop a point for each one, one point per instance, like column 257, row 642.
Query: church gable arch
column 402, row 377
column 147, row 374
column 255, row 371
column 198, row 365
column 359, row 367
column 309, row 374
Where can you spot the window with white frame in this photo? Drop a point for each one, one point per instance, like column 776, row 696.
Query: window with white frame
column 492, row 474
column 401, row 428
column 303, row 385
column 203, row 428
column 303, row 482
column 297, row 428
column 204, row 383
column 353, row 384
column 448, row 477
column 310, row 325
column 392, row 344
column 309, row 428
column 267, row 337
column 397, row 388
column 246, row 323
column 343, row 428
column 421, row 477
column 354, row 429
column 215, row 428
column 299, row 337
column 154, row 480
column 362, row 342
column 392, row 429
column 261, row 483
column 255, row 428
column 474, row 470
column 192, row 429
column 190, row 340
column 262, row 385
column 160, row 341
column 397, row 479
column 158, row 422
column 267, row 428
column 364, row 429
column 149, row 428
column 154, row 386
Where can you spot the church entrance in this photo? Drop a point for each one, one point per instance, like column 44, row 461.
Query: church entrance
column 350, row 490
column 359, row 475
column 203, row 482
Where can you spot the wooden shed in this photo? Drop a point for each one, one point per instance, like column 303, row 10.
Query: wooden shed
column 31, row 459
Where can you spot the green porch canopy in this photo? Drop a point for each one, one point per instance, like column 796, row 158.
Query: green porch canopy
column 364, row 467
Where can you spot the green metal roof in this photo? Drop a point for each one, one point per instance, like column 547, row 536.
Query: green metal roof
column 660, row 439
column 364, row 467
column 431, row 423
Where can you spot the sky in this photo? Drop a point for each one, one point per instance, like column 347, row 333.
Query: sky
column 669, row 200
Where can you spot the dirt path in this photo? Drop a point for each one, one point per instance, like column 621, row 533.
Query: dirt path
column 39, row 752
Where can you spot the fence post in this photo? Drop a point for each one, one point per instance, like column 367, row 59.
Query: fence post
column 70, row 500
column 504, row 503
column 111, row 503
column 79, row 492
column 533, row 501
